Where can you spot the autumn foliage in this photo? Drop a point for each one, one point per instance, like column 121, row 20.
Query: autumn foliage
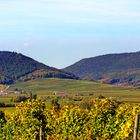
column 106, row 120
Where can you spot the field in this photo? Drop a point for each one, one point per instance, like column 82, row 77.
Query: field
column 79, row 115
column 75, row 90
column 44, row 87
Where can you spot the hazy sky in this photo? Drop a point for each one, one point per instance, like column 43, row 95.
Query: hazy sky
column 61, row 32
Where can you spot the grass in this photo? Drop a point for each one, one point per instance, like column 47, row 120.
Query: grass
column 75, row 90
column 43, row 87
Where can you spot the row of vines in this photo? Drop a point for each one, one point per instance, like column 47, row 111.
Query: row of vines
column 106, row 120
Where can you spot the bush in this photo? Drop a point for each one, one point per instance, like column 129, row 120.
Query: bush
column 6, row 105
column 106, row 120
column 20, row 98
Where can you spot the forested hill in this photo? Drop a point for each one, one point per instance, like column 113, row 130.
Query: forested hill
column 15, row 66
column 111, row 68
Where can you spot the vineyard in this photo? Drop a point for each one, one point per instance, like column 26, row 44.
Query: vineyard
column 106, row 119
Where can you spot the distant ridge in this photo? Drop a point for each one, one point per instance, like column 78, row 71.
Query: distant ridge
column 17, row 67
column 121, row 68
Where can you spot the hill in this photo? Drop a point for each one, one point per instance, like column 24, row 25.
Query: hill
column 111, row 68
column 75, row 89
column 15, row 67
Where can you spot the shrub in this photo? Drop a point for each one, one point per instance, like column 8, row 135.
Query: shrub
column 106, row 120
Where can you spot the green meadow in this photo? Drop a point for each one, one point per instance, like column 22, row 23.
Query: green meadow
column 43, row 87
column 75, row 90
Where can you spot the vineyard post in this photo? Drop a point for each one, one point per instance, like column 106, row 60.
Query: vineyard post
column 40, row 134
column 136, row 127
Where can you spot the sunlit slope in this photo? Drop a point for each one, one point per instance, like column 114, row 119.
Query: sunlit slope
column 43, row 87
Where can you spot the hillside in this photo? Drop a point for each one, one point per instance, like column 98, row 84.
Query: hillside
column 15, row 66
column 112, row 68
column 77, row 89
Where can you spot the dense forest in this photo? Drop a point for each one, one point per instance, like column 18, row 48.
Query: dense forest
column 15, row 66
column 112, row 68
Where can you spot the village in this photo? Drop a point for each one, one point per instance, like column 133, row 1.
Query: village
column 5, row 90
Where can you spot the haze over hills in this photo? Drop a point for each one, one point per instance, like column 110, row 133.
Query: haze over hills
column 17, row 67
column 121, row 68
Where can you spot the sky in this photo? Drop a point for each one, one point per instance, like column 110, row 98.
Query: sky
column 61, row 32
